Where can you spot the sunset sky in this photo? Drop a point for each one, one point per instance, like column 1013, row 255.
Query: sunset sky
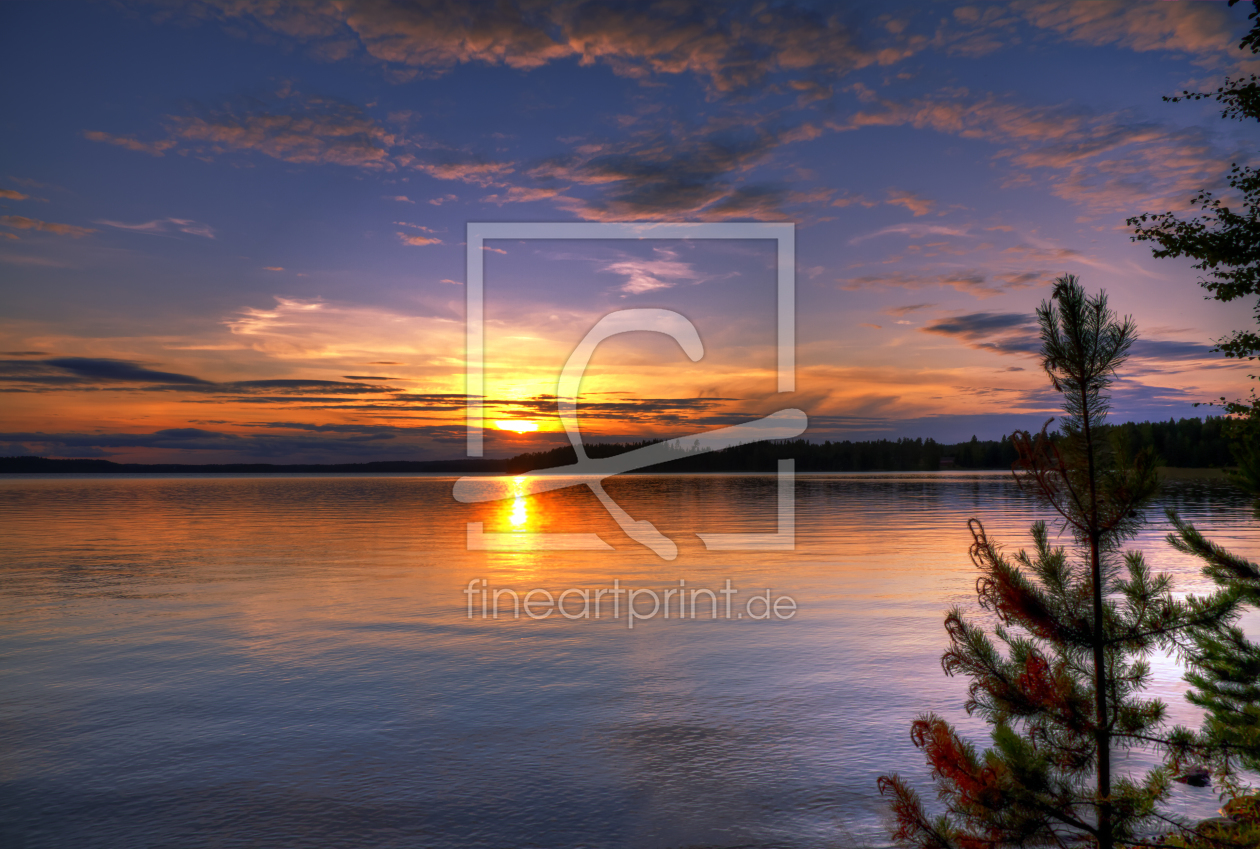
column 234, row 231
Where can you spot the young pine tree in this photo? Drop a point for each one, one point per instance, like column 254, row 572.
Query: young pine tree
column 1061, row 677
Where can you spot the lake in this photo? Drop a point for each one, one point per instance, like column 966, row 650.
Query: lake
column 291, row 661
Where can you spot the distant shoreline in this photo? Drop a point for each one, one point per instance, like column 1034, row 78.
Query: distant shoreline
column 513, row 465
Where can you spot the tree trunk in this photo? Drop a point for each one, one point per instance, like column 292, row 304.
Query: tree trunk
column 1102, row 734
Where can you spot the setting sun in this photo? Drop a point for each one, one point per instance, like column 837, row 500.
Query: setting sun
column 517, row 425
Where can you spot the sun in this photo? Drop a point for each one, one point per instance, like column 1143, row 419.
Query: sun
column 517, row 425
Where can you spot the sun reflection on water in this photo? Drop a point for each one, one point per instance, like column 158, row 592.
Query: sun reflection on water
column 519, row 517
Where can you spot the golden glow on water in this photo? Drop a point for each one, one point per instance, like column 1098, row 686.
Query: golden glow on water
column 519, row 517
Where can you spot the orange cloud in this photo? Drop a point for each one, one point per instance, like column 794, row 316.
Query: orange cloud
column 1110, row 162
column 1203, row 28
column 317, row 131
column 156, row 148
column 728, row 53
column 522, row 194
column 417, row 241
column 21, row 222
column 480, row 173
column 911, row 201
column 981, row 284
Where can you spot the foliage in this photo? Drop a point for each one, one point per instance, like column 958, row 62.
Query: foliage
column 1190, row 443
column 1182, row 443
column 1224, row 674
column 1225, row 241
column 1061, row 678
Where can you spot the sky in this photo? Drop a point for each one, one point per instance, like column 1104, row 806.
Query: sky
column 234, row 231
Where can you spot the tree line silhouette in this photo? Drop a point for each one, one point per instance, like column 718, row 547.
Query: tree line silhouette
column 1186, row 443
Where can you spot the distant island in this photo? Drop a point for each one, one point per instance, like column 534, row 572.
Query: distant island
column 1186, row 443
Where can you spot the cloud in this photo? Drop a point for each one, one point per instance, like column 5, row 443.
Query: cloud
column 1111, row 162
column 914, row 231
column 1108, row 162
column 916, row 204
column 670, row 170
column 1198, row 28
column 21, row 222
column 972, row 282
column 160, row 226
column 728, row 49
column 10, row 194
column 1004, row 333
column 1019, row 333
column 647, row 275
column 301, row 386
column 1024, row 279
column 70, row 371
column 294, row 329
column 847, row 200
column 1170, row 349
column 522, row 194
column 1206, row 32
column 297, row 129
column 636, row 410
column 290, row 127
column 349, row 443
column 94, row 374
column 110, row 369
column 154, row 148
column 664, row 170
column 306, row 130
column 811, row 91
column 472, row 171
column 417, row 241
column 906, row 309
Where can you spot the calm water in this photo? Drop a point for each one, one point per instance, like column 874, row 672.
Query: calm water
column 263, row 661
